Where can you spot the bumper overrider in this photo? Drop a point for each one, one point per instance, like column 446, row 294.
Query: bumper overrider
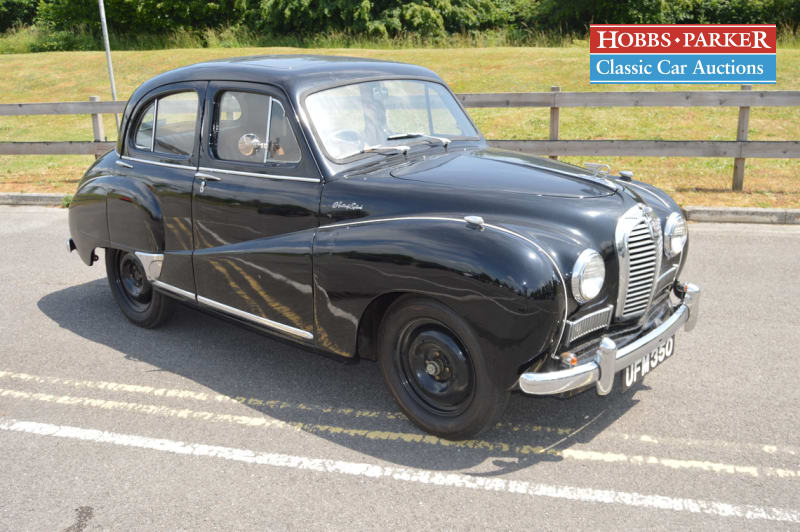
column 609, row 359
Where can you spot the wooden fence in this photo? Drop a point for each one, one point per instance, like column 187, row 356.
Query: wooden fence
column 738, row 149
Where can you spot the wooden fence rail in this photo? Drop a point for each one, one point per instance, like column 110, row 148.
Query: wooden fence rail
column 739, row 150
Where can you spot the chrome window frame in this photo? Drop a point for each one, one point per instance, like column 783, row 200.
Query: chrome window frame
column 154, row 105
column 152, row 148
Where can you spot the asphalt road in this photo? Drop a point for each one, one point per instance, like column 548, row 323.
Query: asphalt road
column 204, row 425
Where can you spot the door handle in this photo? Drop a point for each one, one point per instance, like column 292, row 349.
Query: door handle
column 204, row 178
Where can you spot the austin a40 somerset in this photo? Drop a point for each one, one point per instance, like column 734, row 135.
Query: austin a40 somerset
column 353, row 207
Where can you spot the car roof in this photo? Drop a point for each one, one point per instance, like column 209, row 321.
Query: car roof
column 296, row 74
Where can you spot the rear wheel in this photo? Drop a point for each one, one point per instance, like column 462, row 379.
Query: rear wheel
column 436, row 371
column 133, row 292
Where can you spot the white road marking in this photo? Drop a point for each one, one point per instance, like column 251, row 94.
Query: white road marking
column 277, row 404
column 419, row 476
column 403, row 437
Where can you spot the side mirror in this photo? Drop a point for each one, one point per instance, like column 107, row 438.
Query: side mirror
column 250, row 144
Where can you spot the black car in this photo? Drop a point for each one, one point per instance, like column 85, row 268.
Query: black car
column 353, row 207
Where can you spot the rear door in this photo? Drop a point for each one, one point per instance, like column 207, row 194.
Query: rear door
column 255, row 206
column 161, row 156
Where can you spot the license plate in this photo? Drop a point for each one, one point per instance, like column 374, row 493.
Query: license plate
column 636, row 371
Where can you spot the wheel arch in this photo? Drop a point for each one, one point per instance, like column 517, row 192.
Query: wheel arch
column 370, row 323
column 109, row 210
column 502, row 284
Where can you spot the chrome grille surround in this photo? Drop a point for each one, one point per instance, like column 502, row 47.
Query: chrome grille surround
column 587, row 324
column 638, row 243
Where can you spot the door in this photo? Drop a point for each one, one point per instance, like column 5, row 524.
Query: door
column 160, row 158
column 255, row 204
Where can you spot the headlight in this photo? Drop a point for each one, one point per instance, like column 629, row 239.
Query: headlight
column 675, row 234
column 588, row 276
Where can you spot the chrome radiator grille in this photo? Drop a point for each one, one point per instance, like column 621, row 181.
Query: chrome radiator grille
column 589, row 323
column 639, row 251
column 641, row 269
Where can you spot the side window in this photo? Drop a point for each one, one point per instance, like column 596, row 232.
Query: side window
column 251, row 127
column 239, row 114
column 144, row 133
column 176, row 121
column 169, row 125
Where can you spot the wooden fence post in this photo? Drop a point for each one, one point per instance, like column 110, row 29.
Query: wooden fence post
column 97, row 125
column 554, row 119
column 741, row 135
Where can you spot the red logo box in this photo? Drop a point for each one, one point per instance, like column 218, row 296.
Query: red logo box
column 682, row 38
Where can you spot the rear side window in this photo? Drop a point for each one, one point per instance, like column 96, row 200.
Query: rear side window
column 169, row 125
column 252, row 127
column 144, row 134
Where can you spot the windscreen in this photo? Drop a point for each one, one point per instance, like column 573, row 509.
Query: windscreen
column 350, row 118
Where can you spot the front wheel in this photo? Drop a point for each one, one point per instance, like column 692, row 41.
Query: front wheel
column 133, row 292
column 436, row 371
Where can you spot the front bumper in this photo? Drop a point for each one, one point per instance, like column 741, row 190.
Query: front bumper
column 609, row 359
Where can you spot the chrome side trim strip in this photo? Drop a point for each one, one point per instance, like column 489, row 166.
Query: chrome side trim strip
column 398, row 219
column 158, row 163
column 256, row 319
column 174, row 289
column 265, row 176
column 492, row 226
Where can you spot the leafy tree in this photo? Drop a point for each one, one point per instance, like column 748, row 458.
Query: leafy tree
column 16, row 13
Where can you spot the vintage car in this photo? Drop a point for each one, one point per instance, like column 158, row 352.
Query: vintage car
column 353, row 207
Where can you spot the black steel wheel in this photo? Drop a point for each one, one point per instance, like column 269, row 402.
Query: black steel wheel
column 133, row 292
column 436, row 371
column 435, row 367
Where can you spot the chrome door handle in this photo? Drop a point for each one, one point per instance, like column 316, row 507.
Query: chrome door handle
column 123, row 164
column 204, row 178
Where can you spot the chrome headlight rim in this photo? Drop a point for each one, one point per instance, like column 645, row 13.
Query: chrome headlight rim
column 675, row 222
column 582, row 291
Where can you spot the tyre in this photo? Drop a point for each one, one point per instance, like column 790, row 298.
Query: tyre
column 133, row 292
column 436, row 371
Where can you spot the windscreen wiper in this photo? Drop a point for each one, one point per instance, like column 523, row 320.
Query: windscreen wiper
column 442, row 140
column 385, row 150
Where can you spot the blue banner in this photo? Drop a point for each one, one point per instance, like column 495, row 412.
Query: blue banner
column 682, row 68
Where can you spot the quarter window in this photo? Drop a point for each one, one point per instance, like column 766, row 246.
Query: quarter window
column 251, row 127
column 144, row 134
column 169, row 125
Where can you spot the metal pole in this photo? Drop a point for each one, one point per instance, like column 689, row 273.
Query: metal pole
column 108, row 58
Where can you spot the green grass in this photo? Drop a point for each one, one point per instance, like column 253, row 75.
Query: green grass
column 64, row 76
